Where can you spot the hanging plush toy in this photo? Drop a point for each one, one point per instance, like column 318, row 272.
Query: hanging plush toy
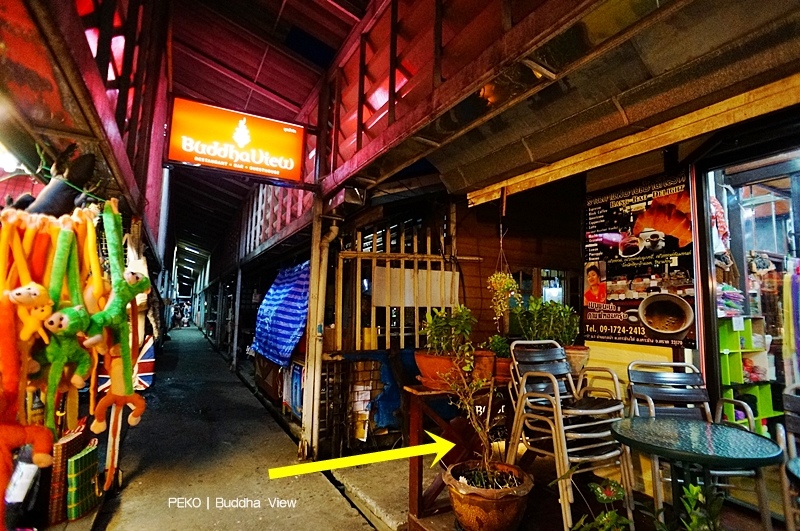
column 109, row 332
column 125, row 285
column 64, row 348
column 67, row 323
column 12, row 376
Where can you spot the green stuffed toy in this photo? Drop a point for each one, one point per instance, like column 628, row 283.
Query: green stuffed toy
column 125, row 285
column 64, row 348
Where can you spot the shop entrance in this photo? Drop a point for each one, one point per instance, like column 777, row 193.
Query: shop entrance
column 754, row 215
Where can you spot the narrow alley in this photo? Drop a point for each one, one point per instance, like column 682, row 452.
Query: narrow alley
column 204, row 446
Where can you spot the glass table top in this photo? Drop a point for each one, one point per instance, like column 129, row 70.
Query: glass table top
column 696, row 441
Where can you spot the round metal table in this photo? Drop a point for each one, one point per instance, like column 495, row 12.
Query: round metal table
column 687, row 442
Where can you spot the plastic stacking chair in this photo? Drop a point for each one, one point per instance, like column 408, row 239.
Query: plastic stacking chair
column 678, row 390
column 572, row 424
column 788, row 434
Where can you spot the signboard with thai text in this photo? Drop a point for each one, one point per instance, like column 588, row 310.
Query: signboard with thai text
column 638, row 263
column 204, row 135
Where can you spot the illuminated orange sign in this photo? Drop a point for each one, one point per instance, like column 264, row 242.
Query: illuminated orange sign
column 203, row 135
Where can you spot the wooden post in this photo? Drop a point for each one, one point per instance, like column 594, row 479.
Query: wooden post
column 105, row 15
column 392, row 62
column 124, row 81
column 415, row 463
column 402, row 334
column 139, row 80
column 437, row 43
column 309, row 443
column 359, row 299
column 362, row 67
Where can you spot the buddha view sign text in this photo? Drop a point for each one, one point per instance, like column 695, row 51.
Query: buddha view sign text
column 204, row 135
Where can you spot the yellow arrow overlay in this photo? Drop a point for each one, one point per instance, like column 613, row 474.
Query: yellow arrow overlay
column 440, row 448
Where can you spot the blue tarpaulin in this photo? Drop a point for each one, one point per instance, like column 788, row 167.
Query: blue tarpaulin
column 282, row 315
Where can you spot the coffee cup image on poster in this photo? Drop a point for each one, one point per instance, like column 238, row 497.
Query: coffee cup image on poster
column 638, row 245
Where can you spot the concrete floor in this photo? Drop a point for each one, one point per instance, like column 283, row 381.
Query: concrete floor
column 205, row 439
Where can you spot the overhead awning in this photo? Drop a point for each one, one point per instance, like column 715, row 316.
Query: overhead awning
column 751, row 104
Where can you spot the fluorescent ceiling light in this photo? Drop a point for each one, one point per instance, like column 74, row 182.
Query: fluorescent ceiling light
column 189, row 260
column 192, row 250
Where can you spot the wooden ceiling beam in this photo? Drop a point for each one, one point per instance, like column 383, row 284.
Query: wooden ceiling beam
column 347, row 9
column 208, row 62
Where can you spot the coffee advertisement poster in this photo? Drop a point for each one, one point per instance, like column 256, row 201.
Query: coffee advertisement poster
column 638, row 284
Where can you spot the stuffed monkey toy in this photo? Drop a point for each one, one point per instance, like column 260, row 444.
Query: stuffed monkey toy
column 64, row 347
column 125, row 285
column 65, row 324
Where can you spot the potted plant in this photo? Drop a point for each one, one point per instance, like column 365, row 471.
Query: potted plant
column 501, row 348
column 485, row 494
column 555, row 321
column 504, row 289
column 448, row 348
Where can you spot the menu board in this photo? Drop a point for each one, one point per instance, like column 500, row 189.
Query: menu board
column 639, row 286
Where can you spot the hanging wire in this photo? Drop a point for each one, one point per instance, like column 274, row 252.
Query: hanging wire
column 502, row 262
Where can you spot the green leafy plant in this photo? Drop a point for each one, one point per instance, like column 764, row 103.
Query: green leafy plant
column 499, row 345
column 703, row 509
column 548, row 320
column 447, row 331
column 504, row 288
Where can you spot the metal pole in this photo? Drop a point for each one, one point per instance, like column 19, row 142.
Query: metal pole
column 163, row 219
column 220, row 312
column 237, row 303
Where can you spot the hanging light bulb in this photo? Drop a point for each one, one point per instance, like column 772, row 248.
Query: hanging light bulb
column 8, row 162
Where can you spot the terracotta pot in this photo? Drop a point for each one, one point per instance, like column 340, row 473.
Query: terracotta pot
column 432, row 367
column 502, row 370
column 577, row 356
column 487, row 509
column 484, row 365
